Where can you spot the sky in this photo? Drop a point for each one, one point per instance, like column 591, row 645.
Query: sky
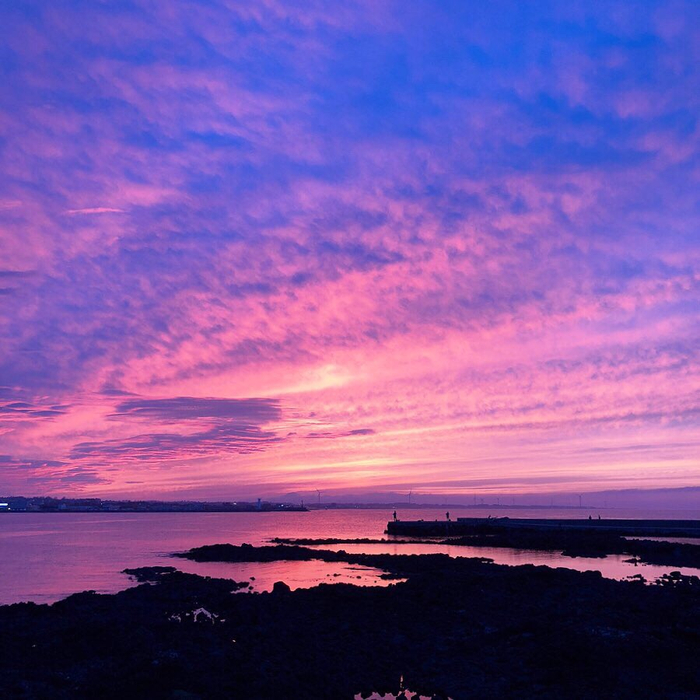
column 258, row 248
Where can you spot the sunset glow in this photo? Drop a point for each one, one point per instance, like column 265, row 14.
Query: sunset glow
column 250, row 250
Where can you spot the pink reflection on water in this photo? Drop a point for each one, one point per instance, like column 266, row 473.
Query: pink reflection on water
column 408, row 694
column 47, row 556
column 296, row 574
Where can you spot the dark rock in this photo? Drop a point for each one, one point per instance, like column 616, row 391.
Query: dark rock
column 455, row 628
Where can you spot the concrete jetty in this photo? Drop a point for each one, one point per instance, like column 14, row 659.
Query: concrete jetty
column 467, row 526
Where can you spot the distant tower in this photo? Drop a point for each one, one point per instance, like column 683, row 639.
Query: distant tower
column 259, row 504
column 319, row 496
column 409, row 496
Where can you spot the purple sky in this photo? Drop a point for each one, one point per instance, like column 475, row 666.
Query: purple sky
column 249, row 248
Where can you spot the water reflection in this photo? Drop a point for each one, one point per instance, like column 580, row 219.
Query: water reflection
column 296, row 574
column 47, row 556
column 407, row 694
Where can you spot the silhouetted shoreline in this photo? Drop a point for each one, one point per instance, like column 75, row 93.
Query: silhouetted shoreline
column 452, row 627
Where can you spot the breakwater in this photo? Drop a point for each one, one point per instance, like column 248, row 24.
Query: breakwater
column 467, row 526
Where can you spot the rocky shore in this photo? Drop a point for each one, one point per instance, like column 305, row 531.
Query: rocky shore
column 458, row 628
column 570, row 543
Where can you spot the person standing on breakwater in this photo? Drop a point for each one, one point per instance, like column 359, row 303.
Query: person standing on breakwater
column 447, row 515
column 394, row 516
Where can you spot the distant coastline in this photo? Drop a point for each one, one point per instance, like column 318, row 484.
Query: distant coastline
column 23, row 504
column 47, row 504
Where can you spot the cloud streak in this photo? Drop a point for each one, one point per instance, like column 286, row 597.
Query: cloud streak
column 189, row 408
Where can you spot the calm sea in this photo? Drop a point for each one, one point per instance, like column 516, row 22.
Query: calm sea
column 47, row 556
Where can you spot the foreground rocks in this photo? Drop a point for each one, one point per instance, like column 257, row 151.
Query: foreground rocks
column 457, row 627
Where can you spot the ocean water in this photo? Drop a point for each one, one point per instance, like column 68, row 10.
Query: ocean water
column 47, row 556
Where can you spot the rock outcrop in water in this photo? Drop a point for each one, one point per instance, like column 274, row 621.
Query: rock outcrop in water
column 249, row 553
column 457, row 627
column 570, row 543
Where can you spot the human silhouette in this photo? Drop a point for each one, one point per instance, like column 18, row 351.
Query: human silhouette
column 447, row 515
column 394, row 516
